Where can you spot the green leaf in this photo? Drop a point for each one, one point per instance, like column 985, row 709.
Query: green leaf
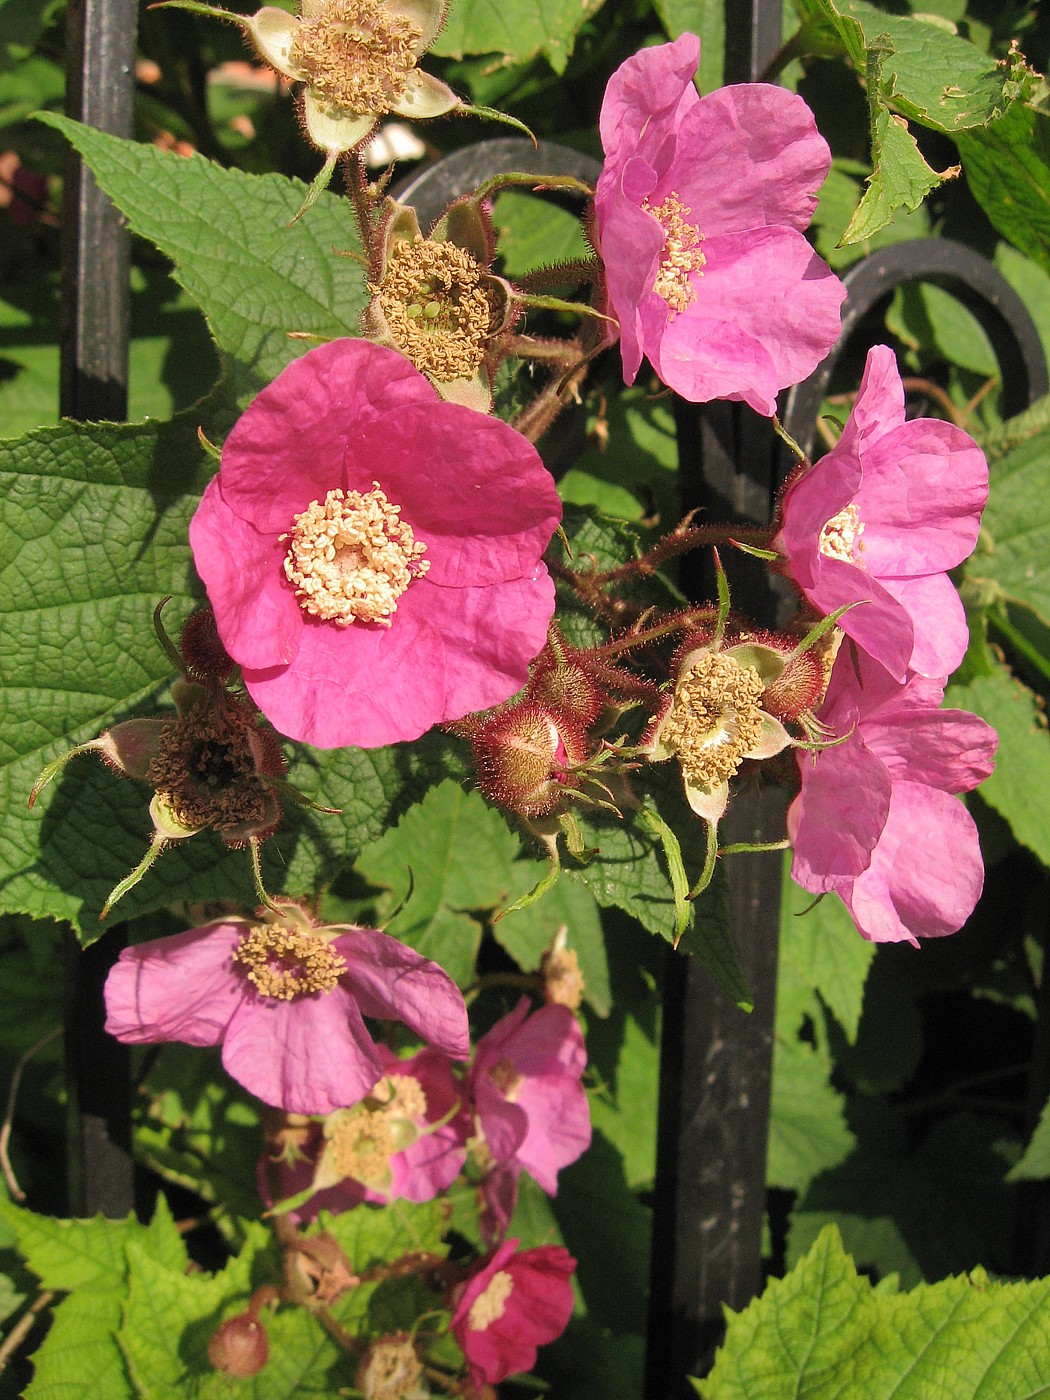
column 807, row 1125
column 229, row 236
column 625, row 1113
column 516, row 29
column 93, row 536
column 939, row 327
column 1007, row 167
column 628, row 468
column 456, row 853
column 1023, row 760
column 369, row 1235
column 1017, row 526
column 532, row 232
column 930, row 74
column 1035, row 1164
column 820, row 951
column 901, row 179
column 79, row 1358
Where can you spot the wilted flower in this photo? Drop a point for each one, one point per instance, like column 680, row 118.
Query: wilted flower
column 435, row 299
column 700, row 206
column 372, row 554
column 510, row 1306
column 285, row 998
column 878, row 521
column 530, row 1108
column 391, row 1370
column 876, row 820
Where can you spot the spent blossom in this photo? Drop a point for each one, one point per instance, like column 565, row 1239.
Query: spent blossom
column 879, row 520
column 876, row 820
column 701, row 207
column 285, row 998
column 373, row 554
column 512, row 1304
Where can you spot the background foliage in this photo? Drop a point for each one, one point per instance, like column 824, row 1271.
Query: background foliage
column 909, row 1121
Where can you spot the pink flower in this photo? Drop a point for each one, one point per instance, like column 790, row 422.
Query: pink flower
column 405, row 1140
column 701, row 206
column 876, row 820
column 285, row 999
column 880, row 518
column 372, row 554
column 511, row 1305
column 530, row 1107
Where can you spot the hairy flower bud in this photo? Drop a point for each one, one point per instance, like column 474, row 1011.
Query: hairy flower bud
column 239, row 1346
column 523, row 756
column 204, row 654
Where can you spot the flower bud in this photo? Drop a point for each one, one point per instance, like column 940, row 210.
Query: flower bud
column 204, row 654
column 523, row 756
column 239, row 1346
column 561, row 682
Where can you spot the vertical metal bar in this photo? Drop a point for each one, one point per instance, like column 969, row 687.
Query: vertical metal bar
column 93, row 386
column 715, row 1061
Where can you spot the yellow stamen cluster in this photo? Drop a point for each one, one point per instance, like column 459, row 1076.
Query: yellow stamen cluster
column 407, row 1098
column 437, row 307
column 715, row 720
column 507, row 1079
column 841, row 537
column 360, row 1145
column 563, row 983
column 489, row 1307
column 206, row 773
column 357, row 55
column 351, row 557
column 284, row 963
column 682, row 252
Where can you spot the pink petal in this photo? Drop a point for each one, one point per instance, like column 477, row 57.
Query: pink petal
column 309, row 1055
column 938, row 620
column 926, row 874
column 256, row 611
column 879, row 405
column 393, row 982
column 925, row 485
column 636, row 241
column 289, row 447
column 487, row 521
column 947, row 749
column 839, row 815
column 877, row 622
column 810, row 501
column 653, row 87
column 749, row 156
column 559, row 1129
column 504, row 1124
column 178, row 988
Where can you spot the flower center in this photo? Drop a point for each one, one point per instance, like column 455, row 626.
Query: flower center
column 360, row 1145
column 356, row 54
column 841, row 537
column 407, row 1097
column 351, row 557
column 506, row 1078
column 285, row 963
column 206, row 771
column 437, row 307
column 489, row 1307
column 682, row 253
column 715, row 720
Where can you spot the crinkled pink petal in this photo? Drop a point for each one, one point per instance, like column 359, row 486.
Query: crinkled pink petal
column 178, row 988
column 926, row 874
column 448, row 652
column 559, row 1120
column 749, row 156
column 308, row 1055
column 938, row 620
column 925, row 485
column 488, row 520
column 504, row 1124
column 879, row 405
column 393, row 982
column 762, row 290
column 638, row 241
column 289, row 447
column 839, row 815
column 255, row 607
column 877, row 622
column 654, row 86
column 947, row 749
